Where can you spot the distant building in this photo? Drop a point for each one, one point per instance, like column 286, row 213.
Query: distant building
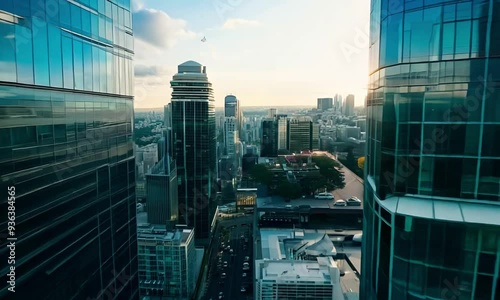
column 298, row 280
column 302, row 134
column 337, row 103
column 271, row 113
column 161, row 199
column 349, row 105
column 230, row 135
column 282, row 123
column 167, row 260
column 232, row 109
column 269, row 138
column 324, row 104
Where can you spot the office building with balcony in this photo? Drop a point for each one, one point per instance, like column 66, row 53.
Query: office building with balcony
column 66, row 121
column 432, row 186
column 193, row 130
column 167, row 263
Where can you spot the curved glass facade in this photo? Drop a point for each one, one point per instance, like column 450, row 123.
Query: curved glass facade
column 66, row 121
column 433, row 145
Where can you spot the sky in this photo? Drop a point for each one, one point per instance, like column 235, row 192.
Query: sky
column 267, row 53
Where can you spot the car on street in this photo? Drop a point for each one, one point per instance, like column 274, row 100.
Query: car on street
column 247, row 258
column 325, row 195
column 244, row 274
column 353, row 201
column 340, row 202
column 225, row 264
column 243, row 289
column 221, row 295
column 357, row 238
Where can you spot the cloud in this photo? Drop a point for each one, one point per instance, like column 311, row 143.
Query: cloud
column 157, row 28
column 145, row 71
column 137, row 5
column 235, row 23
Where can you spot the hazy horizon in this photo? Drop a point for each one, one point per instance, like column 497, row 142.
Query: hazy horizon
column 253, row 50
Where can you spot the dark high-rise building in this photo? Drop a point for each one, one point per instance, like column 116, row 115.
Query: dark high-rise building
column 269, row 138
column 303, row 134
column 232, row 109
column 193, row 129
column 66, row 121
column 349, row 105
column 161, row 199
column 325, row 103
column 432, row 186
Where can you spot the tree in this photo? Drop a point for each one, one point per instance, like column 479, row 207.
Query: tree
column 261, row 174
column 329, row 169
column 289, row 190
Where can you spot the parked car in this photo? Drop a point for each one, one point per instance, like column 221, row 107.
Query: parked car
column 357, row 238
column 243, row 289
column 325, row 195
column 340, row 202
column 247, row 258
column 353, row 201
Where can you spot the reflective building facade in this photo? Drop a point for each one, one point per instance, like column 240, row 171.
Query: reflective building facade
column 193, row 130
column 66, row 120
column 432, row 186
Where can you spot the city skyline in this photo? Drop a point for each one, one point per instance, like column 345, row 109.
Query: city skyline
column 279, row 66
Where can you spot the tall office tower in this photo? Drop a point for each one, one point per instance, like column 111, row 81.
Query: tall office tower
column 282, row 131
column 269, row 138
column 325, row 103
column 232, row 109
column 230, row 135
column 302, row 134
column 167, row 262
column 66, row 121
column 193, row 129
column 337, row 103
column 349, row 105
column 162, row 194
column 271, row 113
column 431, row 226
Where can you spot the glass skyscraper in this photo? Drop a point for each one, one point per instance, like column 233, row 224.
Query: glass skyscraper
column 432, row 186
column 66, row 119
column 193, row 130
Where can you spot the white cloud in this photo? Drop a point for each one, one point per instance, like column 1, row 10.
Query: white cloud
column 157, row 28
column 137, row 5
column 236, row 23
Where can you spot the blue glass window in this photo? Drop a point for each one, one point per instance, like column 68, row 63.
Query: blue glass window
column 55, row 57
column 94, row 20
column 76, row 18
column 64, row 12
column 464, row 11
column 41, row 54
column 78, row 64
column 7, row 52
column 391, row 40
column 52, row 11
column 87, row 66
column 24, row 58
column 448, row 38
column 96, row 69
column 67, row 52
column 86, row 24
column 463, row 38
column 104, row 61
column 449, row 12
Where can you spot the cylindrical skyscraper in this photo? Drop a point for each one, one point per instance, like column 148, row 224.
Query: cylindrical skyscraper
column 432, row 186
column 193, row 129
